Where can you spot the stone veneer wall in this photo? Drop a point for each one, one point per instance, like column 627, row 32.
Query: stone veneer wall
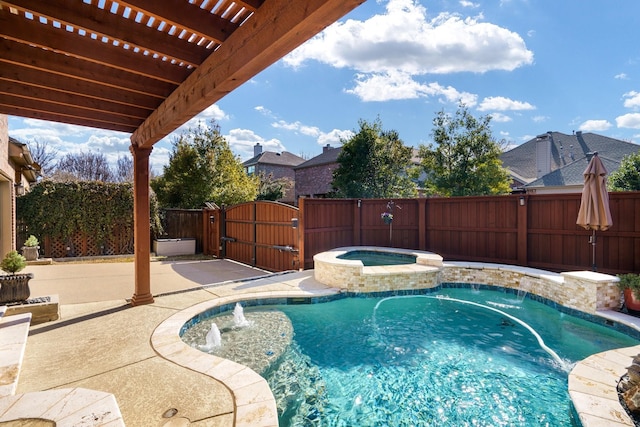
column 352, row 276
column 582, row 290
column 356, row 278
column 585, row 291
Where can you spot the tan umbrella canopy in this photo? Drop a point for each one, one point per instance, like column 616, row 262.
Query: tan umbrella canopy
column 594, row 213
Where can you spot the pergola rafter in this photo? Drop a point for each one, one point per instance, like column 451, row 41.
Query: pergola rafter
column 143, row 67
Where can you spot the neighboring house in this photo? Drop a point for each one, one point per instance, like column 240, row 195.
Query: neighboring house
column 555, row 162
column 314, row 177
column 279, row 165
column 17, row 172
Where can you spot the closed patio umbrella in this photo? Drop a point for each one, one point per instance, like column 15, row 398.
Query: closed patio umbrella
column 594, row 213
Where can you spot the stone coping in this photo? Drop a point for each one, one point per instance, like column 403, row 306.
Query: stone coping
column 253, row 399
column 422, row 257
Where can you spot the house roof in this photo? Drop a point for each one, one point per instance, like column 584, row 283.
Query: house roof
column 328, row 156
column 272, row 158
column 565, row 150
column 571, row 174
column 20, row 155
column 143, row 66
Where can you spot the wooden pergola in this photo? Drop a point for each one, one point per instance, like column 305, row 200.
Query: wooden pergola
column 143, row 67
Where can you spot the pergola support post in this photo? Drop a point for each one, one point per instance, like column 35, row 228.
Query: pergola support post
column 142, row 226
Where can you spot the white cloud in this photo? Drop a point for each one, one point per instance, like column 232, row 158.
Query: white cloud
column 632, row 99
column 500, row 103
column 335, row 137
column 405, row 40
column 621, row 76
column 540, row 119
column 500, row 118
column 323, row 138
column 242, row 142
column 297, row 127
column 397, row 86
column 264, row 111
column 630, row 120
column 465, row 3
column 595, row 125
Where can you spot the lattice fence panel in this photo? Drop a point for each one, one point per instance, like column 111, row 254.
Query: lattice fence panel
column 119, row 242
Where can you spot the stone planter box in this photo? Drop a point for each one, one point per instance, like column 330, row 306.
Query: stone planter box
column 168, row 247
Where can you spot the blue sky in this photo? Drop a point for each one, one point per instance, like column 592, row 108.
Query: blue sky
column 533, row 65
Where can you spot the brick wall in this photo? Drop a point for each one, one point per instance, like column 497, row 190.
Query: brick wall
column 314, row 181
column 279, row 171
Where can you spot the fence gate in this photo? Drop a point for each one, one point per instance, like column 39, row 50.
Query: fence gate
column 262, row 234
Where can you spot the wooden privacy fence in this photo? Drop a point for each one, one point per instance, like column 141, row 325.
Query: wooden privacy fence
column 185, row 223
column 537, row 231
column 261, row 234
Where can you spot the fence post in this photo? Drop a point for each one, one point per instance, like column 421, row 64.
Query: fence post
column 422, row 224
column 522, row 203
column 300, row 232
column 357, row 222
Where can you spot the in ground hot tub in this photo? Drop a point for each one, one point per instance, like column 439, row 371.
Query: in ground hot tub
column 377, row 269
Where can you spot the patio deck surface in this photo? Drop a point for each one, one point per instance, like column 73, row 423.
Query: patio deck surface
column 102, row 343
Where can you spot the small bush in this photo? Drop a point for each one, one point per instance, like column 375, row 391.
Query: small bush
column 630, row 281
column 13, row 262
column 31, row 241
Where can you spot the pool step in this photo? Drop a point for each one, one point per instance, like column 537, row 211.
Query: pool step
column 13, row 340
column 73, row 407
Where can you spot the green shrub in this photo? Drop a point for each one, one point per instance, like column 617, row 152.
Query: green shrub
column 13, row 262
column 31, row 241
column 61, row 209
column 630, row 281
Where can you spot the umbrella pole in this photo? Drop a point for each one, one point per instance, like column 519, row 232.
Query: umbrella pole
column 593, row 255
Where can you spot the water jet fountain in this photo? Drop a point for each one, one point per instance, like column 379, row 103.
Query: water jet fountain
column 239, row 321
column 213, row 338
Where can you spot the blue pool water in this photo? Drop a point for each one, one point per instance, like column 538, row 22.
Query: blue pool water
column 373, row 258
column 425, row 361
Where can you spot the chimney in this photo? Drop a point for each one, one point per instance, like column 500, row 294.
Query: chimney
column 326, row 148
column 257, row 149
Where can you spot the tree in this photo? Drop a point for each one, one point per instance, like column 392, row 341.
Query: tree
column 273, row 188
column 373, row 164
column 627, row 177
column 43, row 155
column 466, row 160
column 124, row 169
column 202, row 169
column 83, row 167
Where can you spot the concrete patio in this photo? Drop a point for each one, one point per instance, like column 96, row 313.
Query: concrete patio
column 102, row 343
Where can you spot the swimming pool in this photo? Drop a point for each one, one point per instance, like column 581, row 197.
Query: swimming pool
column 428, row 360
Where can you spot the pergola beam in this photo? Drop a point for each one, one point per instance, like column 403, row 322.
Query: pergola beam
column 270, row 35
